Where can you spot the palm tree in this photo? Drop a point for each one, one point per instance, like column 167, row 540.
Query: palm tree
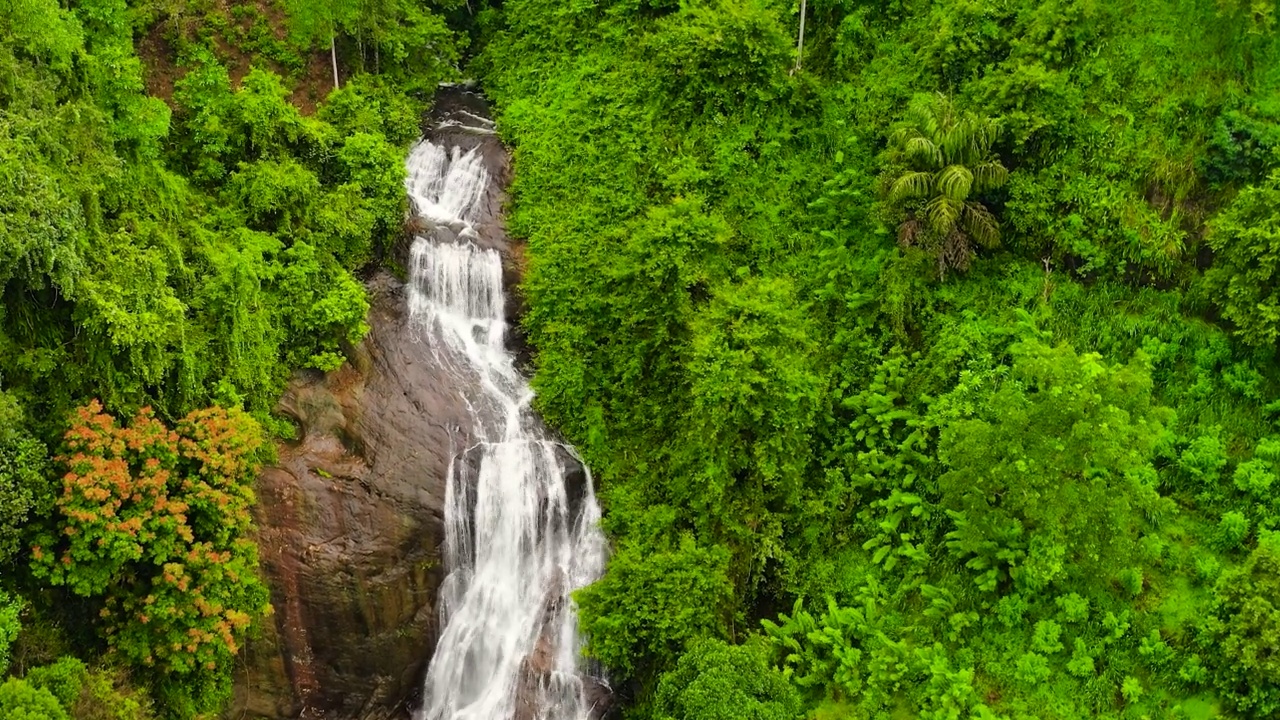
column 948, row 160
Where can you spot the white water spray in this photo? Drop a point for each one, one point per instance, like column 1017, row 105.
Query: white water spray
column 518, row 537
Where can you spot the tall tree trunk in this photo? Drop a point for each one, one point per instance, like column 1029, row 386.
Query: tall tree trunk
column 333, row 55
column 800, row 42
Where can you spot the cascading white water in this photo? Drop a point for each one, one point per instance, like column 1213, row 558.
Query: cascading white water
column 519, row 539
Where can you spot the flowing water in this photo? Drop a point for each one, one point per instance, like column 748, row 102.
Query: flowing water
column 522, row 523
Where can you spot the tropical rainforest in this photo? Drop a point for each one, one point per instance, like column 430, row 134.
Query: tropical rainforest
column 924, row 351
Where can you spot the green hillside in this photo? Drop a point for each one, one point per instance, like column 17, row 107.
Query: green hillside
column 935, row 372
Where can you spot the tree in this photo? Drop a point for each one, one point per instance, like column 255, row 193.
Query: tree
column 21, row 701
column 65, row 678
column 755, row 397
column 1049, row 465
column 941, row 160
column 800, row 38
column 1245, row 627
column 719, row 56
column 10, row 609
column 42, row 29
column 1259, row 15
column 156, row 523
column 718, row 681
column 411, row 41
column 652, row 602
column 24, row 470
column 1245, row 277
column 320, row 20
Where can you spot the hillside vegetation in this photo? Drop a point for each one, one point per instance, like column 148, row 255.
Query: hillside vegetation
column 930, row 376
column 176, row 237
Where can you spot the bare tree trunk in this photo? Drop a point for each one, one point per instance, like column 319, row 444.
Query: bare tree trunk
column 333, row 55
column 800, row 42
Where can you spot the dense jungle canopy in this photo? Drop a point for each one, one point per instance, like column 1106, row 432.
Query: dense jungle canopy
column 929, row 372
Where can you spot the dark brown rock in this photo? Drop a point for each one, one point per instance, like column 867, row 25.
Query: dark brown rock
column 534, row 670
column 351, row 520
column 599, row 698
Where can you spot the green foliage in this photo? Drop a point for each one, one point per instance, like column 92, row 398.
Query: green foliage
column 156, row 524
column 716, row 54
column 1245, row 629
column 1203, row 460
column 22, row 701
column 1131, row 689
column 650, row 606
column 10, row 625
column 1049, row 465
column 42, row 29
column 322, row 304
column 370, row 104
column 1046, row 637
column 153, row 290
column 1232, row 530
column 1260, row 15
column 175, row 253
column 1245, row 238
column 754, row 398
column 858, row 656
column 779, row 404
column 724, row 327
column 320, row 21
column 946, row 162
column 827, row 651
column 405, row 40
column 1081, row 663
column 716, row 681
column 1245, row 143
column 1254, row 477
column 89, row 694
column 24, row 477
column 64, row 679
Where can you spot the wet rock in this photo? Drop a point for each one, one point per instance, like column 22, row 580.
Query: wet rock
column 535, row 671
column 575, row 480
column 351, row 520
column 453, row 108
column 538, row 669
column 599, row 698
column 351, row 517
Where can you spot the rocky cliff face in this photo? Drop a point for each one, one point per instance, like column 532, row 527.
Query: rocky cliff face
column 351, row 517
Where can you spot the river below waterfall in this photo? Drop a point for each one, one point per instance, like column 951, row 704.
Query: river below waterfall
column 521, row 519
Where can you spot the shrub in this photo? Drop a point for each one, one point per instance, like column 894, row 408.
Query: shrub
column 24, row 483
column 1231, row 530
column 19, row 700
column 650, row 605
column 1243, row 280
column 941, row 162
column 1051, row 473
column 718, row 681
column 1245, row 630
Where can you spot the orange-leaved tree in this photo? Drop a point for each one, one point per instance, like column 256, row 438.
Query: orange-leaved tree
column 155, row 522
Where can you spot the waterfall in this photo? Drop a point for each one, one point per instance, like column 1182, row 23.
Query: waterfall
column 521, row 519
